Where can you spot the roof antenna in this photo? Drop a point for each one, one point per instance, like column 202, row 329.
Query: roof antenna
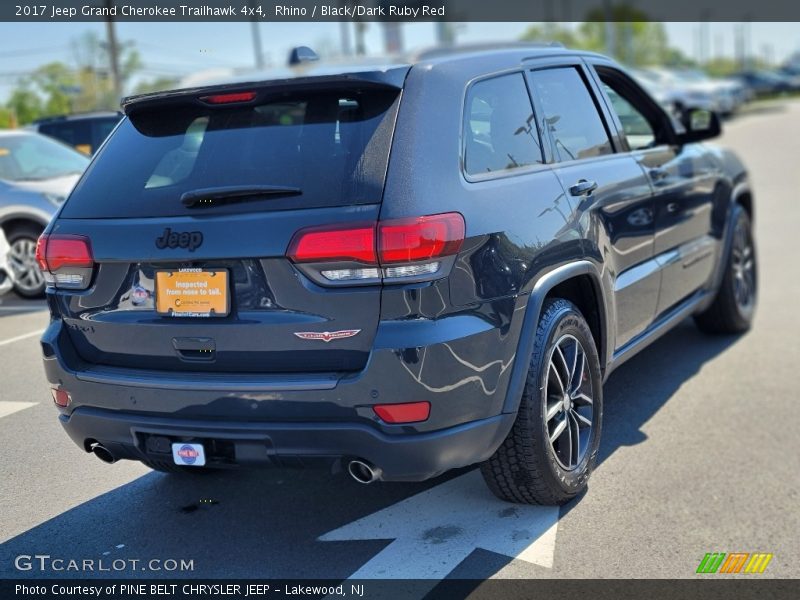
column 301, row 55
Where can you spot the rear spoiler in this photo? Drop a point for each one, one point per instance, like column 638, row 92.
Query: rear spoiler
column 389, row 79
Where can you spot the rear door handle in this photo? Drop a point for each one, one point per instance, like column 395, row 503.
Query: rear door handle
column 583, row 188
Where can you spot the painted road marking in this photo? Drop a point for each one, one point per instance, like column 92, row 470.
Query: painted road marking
column 435, row 530
column 9, row 407
column 24, row 336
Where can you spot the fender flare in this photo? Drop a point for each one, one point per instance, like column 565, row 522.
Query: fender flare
column 727, row 240
column 531, row 321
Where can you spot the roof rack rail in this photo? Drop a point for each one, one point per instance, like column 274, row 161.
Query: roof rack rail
column 442, row 51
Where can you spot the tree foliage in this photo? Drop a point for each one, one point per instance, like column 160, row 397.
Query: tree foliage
column 83, row 85
column 633, row 40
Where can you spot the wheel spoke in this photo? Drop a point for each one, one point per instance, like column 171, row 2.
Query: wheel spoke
column 558, row 377
column 563, row 362
column 553, row 410
column 574, row 363
column 582, row 398
column 568, row 423
column 577, row 379
column 581, row 419
column 575, row 438
column 558, row 431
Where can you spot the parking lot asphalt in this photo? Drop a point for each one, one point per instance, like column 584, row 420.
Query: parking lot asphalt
column 699, row 454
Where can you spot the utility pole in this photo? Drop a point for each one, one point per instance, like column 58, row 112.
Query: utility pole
column 113, row 54
column 344, row 34
column 610, row 27
column 256, row 33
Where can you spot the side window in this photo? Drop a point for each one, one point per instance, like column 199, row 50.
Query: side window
column 500, row 132
column 637, row 128
column 570, row 114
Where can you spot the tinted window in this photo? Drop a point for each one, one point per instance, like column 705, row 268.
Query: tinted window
column 102, row 129
column 570, row 114
column 636, row 127
column 74, row 133
column 500, row 129
column 333, row 146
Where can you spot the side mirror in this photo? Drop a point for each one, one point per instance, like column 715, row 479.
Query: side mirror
column 699, row 124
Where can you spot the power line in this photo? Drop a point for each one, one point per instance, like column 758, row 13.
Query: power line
column 31, row 51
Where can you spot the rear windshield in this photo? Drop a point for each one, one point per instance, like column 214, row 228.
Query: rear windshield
column 330, row 147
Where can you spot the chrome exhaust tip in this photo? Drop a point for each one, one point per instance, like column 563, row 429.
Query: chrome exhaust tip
column 103, row 454
column 363, row 472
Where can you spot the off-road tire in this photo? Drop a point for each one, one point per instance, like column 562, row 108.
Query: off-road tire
column 525, row 468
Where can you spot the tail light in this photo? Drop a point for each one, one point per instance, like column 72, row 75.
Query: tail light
column 397, row 250
column 65, row 260
column 231, row 98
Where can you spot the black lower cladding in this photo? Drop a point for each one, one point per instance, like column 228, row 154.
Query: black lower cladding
column 401, row 457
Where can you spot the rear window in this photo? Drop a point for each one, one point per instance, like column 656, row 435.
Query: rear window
column 331, row 145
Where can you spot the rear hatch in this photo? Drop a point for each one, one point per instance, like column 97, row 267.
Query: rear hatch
column 189, row 210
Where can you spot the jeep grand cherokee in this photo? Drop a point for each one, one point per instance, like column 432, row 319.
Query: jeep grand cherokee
column 403, row 269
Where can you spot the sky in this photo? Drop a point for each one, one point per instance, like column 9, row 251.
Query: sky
column 179, row 49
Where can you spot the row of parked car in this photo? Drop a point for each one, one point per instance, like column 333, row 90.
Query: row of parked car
column 679, row 89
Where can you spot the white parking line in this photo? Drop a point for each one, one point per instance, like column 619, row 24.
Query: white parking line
column 21, row 337
column 9, row 407
column 437, row 529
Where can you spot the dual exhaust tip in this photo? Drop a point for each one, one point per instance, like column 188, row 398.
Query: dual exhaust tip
column 361, row 471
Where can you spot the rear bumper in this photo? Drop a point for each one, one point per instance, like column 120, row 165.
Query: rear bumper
column 404, row 457
column 461, row 365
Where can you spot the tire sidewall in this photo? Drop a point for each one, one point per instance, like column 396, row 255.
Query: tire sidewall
column 744, row 317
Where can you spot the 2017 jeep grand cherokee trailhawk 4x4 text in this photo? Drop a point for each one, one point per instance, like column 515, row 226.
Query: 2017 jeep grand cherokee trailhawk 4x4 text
column 407, row 268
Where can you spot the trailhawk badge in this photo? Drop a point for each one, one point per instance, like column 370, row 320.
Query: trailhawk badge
column 326, row 336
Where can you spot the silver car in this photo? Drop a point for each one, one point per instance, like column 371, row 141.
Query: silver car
column 36, row 175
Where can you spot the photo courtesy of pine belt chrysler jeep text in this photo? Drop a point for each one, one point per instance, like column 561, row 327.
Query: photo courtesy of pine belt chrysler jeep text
column 402, row 269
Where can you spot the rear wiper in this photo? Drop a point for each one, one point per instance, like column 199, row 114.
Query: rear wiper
column 214, row 196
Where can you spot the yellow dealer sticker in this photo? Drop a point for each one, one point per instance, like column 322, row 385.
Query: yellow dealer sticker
column 192, row 293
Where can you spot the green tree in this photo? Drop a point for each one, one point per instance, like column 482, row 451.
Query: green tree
column 156, row 85
column 25, row 105
column 56, row 81
column 552, row 32
column 8, row 119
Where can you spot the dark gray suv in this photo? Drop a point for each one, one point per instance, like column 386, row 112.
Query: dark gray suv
column 403, row 269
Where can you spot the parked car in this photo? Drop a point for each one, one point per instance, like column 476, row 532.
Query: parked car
column 6, row 272
column 764, row 83
column 672, row 99
column 36, row 175
column 84, row 132
column 244, row 278
column 694, row 88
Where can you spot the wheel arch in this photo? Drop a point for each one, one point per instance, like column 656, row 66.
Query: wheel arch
column 580, row 283
column 12, row 222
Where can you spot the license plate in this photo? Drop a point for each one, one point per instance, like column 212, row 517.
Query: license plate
column 188, row 455
column 192, row 293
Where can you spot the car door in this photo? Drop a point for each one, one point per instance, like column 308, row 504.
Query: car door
column 609, row 187
column 684, row 182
